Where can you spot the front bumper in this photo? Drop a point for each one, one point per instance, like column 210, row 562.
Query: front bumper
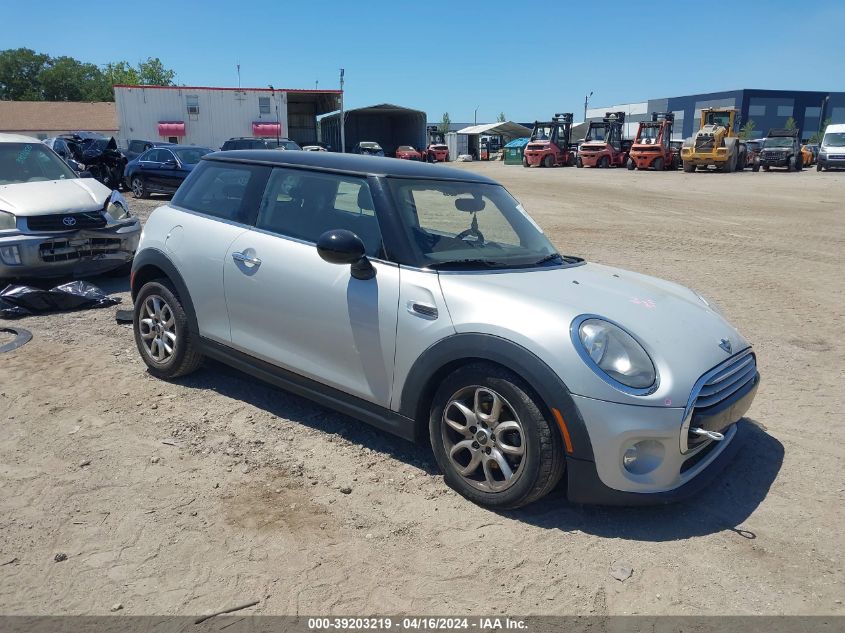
column 534, row 157
column 613, row 428
column 837, row 160
column 70, row 253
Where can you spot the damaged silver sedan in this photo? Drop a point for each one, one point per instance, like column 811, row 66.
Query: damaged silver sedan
column 54, row 223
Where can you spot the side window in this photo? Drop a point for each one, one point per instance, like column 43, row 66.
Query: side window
column 304, row 205
column 136, row 146
column 223, row 190
column 155, row 156
column 263, row 105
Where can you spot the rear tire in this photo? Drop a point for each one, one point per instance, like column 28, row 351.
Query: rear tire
column 756, row 167
column 139, row 188
column 818, row 166
column 689, row 168
column 534, row 455
column 570, row 161
column 674, row 164
column 792, row 165
column 162, row 335
column 766, row 167
column 579, row 163
column 799, row 162
column 631, row 164
column 525, row 162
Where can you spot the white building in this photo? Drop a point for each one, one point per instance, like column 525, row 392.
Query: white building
column 205, row 116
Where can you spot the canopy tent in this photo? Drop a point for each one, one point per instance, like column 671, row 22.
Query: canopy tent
column 508, row 130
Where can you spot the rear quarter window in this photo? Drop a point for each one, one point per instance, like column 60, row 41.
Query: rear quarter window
column 228, row 191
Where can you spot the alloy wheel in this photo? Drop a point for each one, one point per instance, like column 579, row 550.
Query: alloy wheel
column 157, row 327
column 137, row 187
column 484, row 438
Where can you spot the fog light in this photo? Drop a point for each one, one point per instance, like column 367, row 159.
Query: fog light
column 643, row 457
column 10, row 255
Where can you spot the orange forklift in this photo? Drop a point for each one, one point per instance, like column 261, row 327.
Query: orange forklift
column 550, row 144
column 652, row 147
column 603, row 145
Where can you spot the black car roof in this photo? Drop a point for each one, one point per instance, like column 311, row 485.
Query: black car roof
column 349, row 163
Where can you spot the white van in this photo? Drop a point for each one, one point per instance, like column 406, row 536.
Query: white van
column 832, row 150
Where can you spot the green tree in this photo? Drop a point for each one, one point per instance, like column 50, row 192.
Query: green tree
column 501, row 118
column 819, row 135
column 790, row 124
column 19, row 70
column 121, row 73
column 445, row 122
column 153, row 73
column 747, row 130
column 68, row 79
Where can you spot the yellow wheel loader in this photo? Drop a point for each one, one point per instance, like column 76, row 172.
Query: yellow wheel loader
column 716, row 142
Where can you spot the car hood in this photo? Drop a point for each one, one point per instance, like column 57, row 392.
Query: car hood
column 535, row 308
column 53, row 196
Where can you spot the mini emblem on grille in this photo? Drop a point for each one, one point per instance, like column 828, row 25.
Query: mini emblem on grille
column 69, row 221
column 725, row 344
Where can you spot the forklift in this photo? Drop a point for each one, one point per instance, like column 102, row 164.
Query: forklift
column 550, row 144
column 652, row 148
column 603, row 145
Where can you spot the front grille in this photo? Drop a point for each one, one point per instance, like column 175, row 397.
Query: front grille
column 774, row 155
column 534, row 147
column 70, row 249
column 718, row 385
column 836, row 156
column 592, row 149
column 66, row 221
column 705, row 143
column 646, row 148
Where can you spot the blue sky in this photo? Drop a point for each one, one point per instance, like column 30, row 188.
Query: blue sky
column 528, row 60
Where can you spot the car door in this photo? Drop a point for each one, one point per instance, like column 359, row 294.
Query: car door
column 289, row 307
column 171, row 173
column 149, row 168
column 219, row 204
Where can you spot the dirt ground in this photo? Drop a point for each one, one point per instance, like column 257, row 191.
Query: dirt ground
column 187, row 497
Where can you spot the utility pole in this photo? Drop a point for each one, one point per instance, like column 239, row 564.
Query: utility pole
column 278, row 120
column 342, row 117
column 586, row 101
column 821, row 114
column 475, row 116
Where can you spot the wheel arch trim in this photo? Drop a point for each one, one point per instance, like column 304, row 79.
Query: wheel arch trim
column 153, row 258
column 458, row 349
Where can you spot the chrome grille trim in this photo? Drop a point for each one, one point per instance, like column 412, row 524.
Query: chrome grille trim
column 720, row 373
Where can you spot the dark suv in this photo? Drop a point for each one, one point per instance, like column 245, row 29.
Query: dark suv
column 246, row 142
column 782, row 148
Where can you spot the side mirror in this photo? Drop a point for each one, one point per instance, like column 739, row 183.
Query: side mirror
column 170, row 163
column 86, row 174
column 344, row 247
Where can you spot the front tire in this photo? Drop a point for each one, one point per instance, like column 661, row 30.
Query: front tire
column 162, row 334
column 689, row 168
column 579, row 163
column 525, row 162
column 630, row 164
column 657, row 164
column 491, row 440
column 548, row 161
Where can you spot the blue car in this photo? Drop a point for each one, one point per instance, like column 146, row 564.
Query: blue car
column 162, row 169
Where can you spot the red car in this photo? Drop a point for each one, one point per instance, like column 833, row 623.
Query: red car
column 437, row 153
column 408, row 153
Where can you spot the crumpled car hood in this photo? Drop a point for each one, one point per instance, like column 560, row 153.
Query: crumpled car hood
column 53, row 196
column 536, row 308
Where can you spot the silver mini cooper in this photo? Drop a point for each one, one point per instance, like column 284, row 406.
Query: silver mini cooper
column 425, row 301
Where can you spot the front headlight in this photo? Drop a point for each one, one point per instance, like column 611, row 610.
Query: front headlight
column 614, row 355
column 7, row 221
column 116, row 207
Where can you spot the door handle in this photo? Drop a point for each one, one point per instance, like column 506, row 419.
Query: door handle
column 246, row 259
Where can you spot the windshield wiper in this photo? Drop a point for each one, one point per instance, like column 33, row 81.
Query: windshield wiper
column 549, row 258
column 458, row 263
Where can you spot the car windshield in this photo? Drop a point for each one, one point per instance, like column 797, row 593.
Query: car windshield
column 370, row 146
column 439, row 147
column 288, row 145
column 31, row 162
column 834, row 139
column 778, row 141
column 406, row 148
column 753, row 144
column 191, row 155
column 467, row 225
